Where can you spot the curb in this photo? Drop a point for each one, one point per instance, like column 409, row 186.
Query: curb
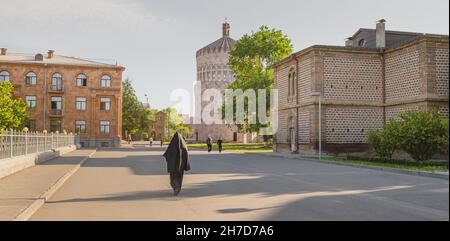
column 30, row 210
column 385, row 169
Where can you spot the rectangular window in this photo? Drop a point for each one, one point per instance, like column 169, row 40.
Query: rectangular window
column 104, row 127
column 80, row 126
column 55, row 126
column 105, row 103
column 31, row 80
column 56, row 103
column 81, row 81
column 31, row 125
column 31, row 102
column 81, row 103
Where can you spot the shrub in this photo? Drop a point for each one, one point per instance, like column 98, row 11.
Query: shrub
column 385, row 142
column 423, row 134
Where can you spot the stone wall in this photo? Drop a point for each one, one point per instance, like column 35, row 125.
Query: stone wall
column 403, row 79
column 353, row 77
column 442, row 68
column 351, row 125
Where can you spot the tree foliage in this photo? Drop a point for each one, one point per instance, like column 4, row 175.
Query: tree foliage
column 386, row 142
column 174, row 122
column 13, row 112
column 251, row 60
column 422, row 134
column 136, row 117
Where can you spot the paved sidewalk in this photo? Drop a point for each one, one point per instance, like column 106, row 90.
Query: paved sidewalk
column 21, row 190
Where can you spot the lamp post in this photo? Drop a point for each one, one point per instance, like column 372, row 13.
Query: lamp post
column 318, row 94
column 148, row 103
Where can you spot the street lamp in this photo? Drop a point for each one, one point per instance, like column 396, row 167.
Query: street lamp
column 148, row 103
column 318, row 94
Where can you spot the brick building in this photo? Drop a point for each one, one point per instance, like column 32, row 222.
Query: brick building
column 68, row 94
column 157, row 128
column 361, row 85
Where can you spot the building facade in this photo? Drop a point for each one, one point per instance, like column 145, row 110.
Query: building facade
column 361, row 85
column 157, row 128
column 213, row 73
column 66, row 94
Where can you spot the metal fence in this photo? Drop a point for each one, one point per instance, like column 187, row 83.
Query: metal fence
column 18, row 143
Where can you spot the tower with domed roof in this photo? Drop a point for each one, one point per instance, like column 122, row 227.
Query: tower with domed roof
column 213, row 73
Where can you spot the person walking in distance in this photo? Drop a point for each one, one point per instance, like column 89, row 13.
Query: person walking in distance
column 129, row 139
column 177, row 158
column 219, row 144
column 209, row 143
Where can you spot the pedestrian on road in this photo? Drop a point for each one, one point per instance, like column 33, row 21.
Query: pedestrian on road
column 129, row 139
column 151, row 142
column 177, row 158
column 219, row 144
column 209, row 143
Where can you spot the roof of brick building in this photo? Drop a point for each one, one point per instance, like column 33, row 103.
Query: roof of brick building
column 55, row 60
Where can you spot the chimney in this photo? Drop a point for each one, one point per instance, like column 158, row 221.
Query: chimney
column 226, row 29
column 381, row 34
column 349, row 42
column 4, row 51
column 51, row 53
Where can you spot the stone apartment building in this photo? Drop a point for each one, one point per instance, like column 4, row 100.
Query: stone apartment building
column 68, row 94
column 361, row 85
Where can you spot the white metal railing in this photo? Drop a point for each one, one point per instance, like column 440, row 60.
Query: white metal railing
column 18, row 143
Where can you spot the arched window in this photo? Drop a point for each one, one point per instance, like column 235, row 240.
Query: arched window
column 81, row 80
column 106, row 81
column 31, row 78
column 57, row 82
column 292, row 82
column 362, row 43
column 4, row 76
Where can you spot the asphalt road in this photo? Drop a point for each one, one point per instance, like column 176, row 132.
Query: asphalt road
column 132, row 184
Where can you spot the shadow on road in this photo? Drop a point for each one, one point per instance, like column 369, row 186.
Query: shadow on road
column 315, row 189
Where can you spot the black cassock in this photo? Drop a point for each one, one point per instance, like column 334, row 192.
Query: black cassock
column 177, row 158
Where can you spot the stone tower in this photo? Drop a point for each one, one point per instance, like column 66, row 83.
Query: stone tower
column 213, row 73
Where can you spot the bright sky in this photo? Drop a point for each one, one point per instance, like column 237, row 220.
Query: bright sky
column 156, row 40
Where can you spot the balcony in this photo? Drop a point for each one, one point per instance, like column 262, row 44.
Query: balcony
column 55, row 113
column 55, row 89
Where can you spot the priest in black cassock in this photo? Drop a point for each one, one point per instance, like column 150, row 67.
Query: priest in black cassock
column 177, row 157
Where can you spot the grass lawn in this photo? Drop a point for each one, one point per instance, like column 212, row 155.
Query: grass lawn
column 397, row 164
column 237, row 147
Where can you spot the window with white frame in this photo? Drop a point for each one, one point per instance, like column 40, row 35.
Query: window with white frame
column 4, row 76
column 81, row 80
column 31, row 78
column 80, row 103
column 104, row 127
column 57, row 82
column 80, row 126
column 31, row 102
column 106, row 81
column 105, row 103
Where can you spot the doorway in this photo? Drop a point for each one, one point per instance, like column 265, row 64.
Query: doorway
column 292, row 144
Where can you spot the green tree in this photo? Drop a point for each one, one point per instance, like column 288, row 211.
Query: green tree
column 250, row 61
column 386, row 142
column 13, row 112
column 424, row 133
column 174, row 120
column 136, row 118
